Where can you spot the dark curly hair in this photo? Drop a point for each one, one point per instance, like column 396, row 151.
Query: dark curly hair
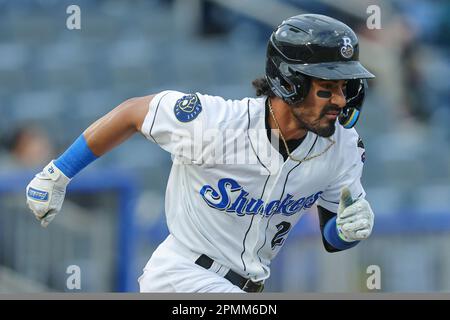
column 262, row 87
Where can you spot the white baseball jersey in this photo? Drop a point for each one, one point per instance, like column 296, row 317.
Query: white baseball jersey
column 230, row 194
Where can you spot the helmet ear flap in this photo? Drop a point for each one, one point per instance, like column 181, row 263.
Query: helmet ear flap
column 303, row 85
column 278, row 82
column 285, row 82
column 356, row 90
column 291, row 86
column 287, row 86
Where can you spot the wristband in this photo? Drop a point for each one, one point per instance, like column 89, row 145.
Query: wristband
column 75, row 158
column 330, row 234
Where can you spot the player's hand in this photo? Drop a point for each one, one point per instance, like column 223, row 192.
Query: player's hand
column 46, row 192
column 354, row 218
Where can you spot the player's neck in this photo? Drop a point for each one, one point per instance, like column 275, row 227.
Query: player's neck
column 288, row 123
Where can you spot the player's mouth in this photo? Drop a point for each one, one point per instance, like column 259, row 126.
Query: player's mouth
column 332, row 115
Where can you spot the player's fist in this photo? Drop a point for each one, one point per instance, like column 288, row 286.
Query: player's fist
column 46, row 192
column 354, row 218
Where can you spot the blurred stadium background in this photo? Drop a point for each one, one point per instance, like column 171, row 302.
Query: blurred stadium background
column 54, row 82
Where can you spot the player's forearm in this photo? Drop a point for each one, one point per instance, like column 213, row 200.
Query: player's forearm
column 330, row 239
column 103, row 135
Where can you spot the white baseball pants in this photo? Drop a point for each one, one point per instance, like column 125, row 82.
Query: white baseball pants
column 172, row 268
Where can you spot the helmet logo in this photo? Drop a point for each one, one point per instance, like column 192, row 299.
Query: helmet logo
column 347, row 48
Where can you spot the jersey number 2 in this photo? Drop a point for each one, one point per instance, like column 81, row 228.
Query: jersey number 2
column 283, row 229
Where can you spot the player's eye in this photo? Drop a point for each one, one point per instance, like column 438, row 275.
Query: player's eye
column 327, row 85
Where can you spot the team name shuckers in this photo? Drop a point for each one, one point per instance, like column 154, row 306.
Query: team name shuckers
column 221, row 200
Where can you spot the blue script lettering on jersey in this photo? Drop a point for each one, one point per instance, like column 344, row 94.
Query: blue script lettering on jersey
column 220, row 199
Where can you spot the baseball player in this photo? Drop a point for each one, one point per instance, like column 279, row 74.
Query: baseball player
column 227, row 221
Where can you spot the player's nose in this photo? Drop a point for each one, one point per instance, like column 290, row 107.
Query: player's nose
column 338, row 98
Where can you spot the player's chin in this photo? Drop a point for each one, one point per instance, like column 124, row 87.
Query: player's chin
column 326, row 130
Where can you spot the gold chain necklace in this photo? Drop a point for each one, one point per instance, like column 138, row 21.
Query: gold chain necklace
column 306, row 158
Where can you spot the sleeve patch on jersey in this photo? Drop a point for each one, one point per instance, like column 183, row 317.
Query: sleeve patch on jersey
column 187, row 108
column 360, row 143
column 362, row 152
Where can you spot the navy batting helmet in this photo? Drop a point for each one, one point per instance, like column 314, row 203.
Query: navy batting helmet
column 313, row 45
